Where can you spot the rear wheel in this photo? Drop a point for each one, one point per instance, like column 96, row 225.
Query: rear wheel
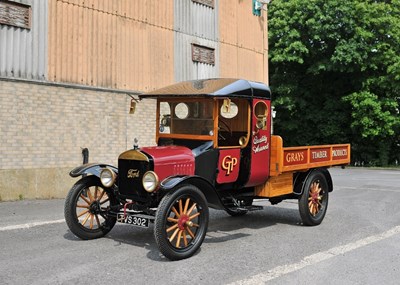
column 181, row 222
column 87, row 209
column 313, row 203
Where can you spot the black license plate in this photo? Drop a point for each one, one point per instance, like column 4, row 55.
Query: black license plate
column 135, row 220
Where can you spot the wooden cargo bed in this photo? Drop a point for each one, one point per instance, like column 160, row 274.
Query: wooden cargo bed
column 302, row 158
column 287, row 160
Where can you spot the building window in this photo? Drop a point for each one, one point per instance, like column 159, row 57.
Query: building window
column 15, row 14
column 203, row 54
column 208, row 3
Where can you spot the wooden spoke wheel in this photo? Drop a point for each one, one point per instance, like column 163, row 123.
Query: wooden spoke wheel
column 314, row 201
column 86, row 209
column 181, row 222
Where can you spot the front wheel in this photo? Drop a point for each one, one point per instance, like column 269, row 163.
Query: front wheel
column 87, row 209
column 181, row 222
column 313, row 203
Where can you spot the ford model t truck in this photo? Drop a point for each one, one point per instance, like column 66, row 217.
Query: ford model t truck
column 214, row 149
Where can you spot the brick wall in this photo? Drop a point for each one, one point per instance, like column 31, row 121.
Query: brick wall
column 43, row 128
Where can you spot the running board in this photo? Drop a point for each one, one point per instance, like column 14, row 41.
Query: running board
column 247, row 208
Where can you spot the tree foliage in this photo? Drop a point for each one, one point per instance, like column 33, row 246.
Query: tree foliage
column 335, row 74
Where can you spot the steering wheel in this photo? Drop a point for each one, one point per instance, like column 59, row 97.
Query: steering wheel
column 223, row 127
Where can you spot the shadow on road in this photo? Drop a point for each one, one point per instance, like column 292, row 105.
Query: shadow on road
column 221, row 228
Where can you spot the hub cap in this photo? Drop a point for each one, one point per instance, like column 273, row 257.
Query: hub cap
column 183, row 223
column 315, row 198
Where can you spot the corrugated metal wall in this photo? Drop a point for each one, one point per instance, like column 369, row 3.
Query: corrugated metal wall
column 243, row 44
column 121, row 44
column 134, row 45
column 23, row 52
column 198, row 24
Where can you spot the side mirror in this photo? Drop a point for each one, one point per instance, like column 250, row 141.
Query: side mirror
column 133, row 106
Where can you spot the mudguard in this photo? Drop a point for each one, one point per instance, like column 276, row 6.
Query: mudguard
column 213, row 200
column 91, row 168
column 302, row 177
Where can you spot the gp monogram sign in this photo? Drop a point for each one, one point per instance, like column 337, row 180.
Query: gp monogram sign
column 228, row 163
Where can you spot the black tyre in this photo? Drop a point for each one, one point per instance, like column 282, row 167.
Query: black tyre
column 87, row 208
column 313, row 203
column 181, row 222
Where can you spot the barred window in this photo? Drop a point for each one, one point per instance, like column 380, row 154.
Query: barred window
column 15, row 14
column 203, row 54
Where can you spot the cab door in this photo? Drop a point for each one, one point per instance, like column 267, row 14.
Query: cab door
column 260, row 142
column 233, row 136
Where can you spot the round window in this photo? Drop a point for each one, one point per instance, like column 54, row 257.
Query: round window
column 261, row 113
column 261, row 109
column 182, row 110
column 230, row 111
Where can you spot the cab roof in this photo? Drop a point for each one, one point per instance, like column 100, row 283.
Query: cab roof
column 216, row 87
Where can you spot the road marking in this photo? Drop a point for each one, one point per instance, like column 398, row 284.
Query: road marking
column 30, row 225
column 316, row 258
column 365, row 189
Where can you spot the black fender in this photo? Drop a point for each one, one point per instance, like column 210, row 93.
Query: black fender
column 301, row 178
column 213, row 200
column 91, row 168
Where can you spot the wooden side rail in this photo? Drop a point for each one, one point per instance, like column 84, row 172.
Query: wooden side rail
column 302, row 158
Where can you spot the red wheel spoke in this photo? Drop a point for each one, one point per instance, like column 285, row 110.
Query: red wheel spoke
column 184, row 238
column 171, row 239
column 194, row 216
column 190, row 232
column 89, row 193
column 172, row 220
column 96, row 189
column 178, row 241
column 180, row 207
column 172, row 228
column 91, row 221
column 85, row 220
column 85, row 199
column 102, row 194
column 81, row 214
column 191, row 209
column 176, row 212
column 186, row 205
column 82, row 206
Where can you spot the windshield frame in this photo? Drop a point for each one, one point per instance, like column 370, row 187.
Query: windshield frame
column 205, row 137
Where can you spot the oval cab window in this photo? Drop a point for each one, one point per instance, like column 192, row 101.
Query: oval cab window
column 182, row 110
column 229, row 111
column 261, row 113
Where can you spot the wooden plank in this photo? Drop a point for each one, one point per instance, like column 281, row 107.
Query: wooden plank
column 276, row 186
column 276, row 159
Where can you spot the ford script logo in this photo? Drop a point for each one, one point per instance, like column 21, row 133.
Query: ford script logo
column 133, row 173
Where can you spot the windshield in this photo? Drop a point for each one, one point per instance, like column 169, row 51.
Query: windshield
column 186, row 117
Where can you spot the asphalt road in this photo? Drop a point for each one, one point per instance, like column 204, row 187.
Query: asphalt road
column 357, row 243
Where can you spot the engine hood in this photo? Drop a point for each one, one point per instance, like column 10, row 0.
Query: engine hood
column 171, row 160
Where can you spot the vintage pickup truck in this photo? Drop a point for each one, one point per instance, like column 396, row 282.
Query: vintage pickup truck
column 214, row 148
